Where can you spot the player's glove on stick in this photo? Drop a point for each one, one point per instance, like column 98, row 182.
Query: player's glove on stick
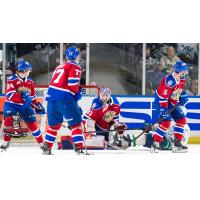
column 121, row 127
column 183, row 98
column 40, row 109
column 164, row 113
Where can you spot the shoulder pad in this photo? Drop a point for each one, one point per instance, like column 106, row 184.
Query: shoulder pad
column 170, row 81
column 12, row 77
column 96, row 104
column 29, row 78
column 114, row 100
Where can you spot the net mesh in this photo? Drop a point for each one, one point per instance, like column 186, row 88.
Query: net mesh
column 40, row 93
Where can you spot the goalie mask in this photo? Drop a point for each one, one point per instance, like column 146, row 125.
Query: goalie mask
column 104, row 94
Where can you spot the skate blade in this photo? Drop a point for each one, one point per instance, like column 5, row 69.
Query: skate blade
column 86, row 154
column 154, row 151
column 47, row 154
column 3, row 150
column 179, row 151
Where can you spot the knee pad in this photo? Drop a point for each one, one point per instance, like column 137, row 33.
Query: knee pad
column 181, row 122
column 32, row 126
column 78, row 126
column 8, row 121
column 55, row 127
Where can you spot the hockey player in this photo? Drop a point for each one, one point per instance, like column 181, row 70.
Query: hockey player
column 170, row 95
column 62, row 96
column 103, row 114
column 20, row 98
column 147, row 139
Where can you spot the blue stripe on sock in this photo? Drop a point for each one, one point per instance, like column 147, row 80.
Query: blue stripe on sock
column 160, row 132
column 178, row 130
column 50, row 138
column 77, row 138
column 36, row 134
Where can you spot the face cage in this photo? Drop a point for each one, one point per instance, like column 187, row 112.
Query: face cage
column 104, row 97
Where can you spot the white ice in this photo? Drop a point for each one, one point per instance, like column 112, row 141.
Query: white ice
column 132, row 174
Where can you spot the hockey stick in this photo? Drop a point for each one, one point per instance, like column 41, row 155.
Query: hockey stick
column 146, row 130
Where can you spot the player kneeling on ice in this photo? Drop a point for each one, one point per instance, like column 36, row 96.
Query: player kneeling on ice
column 62, row 96
column 147, row 139
column 103, row 114
column 169, row 96
column 20, row 99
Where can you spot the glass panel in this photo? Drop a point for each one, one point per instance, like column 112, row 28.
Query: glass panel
column 119, row 66
column 160, row 58
column 1, row 65
column 44, row 57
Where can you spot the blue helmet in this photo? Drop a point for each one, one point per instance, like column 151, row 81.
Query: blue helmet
column 180, row 66
column 23, row 66
column 72, row 53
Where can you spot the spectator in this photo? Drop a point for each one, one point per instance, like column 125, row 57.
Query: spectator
column 150, row 62
column 193, row 90
column 167, row 62
column 154, row 78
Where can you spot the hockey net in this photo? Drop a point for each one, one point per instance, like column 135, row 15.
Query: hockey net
column 40, row 93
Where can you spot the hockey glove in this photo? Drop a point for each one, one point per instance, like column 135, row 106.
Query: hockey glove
column 25, row 95
column 147, row 127
column 121, row 127
column 40, row 109
column 183, row 98
column 163, row 113
column 27, row 103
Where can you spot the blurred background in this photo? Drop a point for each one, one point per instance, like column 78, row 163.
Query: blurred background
column 127, row 68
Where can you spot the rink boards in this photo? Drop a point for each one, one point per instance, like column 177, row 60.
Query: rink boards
column 135, row 110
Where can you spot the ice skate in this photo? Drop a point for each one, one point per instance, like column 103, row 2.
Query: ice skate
column 4, row 146
column 179, row 147
column 155, row 147
column 46, row 149
column 79, row 151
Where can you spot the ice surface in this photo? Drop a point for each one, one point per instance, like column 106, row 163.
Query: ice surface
column 107, row 175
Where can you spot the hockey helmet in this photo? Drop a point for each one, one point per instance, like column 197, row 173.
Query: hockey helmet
column 72, row 53
column 24, row 66
column 180, row 66
column 104, row 94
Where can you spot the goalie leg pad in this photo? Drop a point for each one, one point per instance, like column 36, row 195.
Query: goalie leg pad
column 89, row 126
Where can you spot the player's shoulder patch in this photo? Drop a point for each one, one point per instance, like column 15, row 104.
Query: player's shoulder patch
column 96, row 104
column 29, row 78
column 114, row 100
column 12, row 77
column 170, row 81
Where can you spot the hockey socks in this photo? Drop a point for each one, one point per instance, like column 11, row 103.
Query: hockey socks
column 51, row 135
column 77, row 136
column 36, row 133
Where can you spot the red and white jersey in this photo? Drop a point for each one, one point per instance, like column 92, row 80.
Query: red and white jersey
column 169, row 90
column 65, row 81
column 15, row 85
column 103, row 114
